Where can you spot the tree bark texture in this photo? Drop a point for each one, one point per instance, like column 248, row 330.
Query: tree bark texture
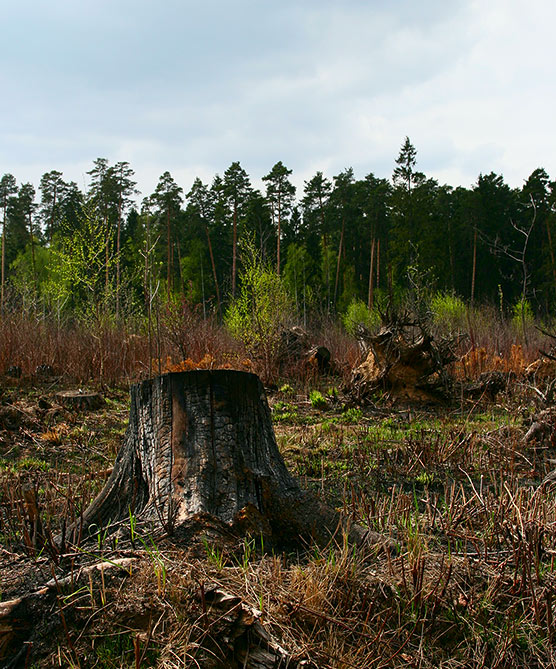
column 201, row 442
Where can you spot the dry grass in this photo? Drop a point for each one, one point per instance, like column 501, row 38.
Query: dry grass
column 472, row 582
column 468, row 503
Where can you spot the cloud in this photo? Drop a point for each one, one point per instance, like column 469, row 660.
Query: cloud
column 191, row 87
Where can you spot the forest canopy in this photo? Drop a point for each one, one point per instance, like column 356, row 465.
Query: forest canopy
column 343, row 239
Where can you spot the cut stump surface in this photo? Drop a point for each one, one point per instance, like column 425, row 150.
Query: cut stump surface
column 80, row 400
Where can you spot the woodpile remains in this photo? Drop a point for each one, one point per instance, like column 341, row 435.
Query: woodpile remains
column 296, row 346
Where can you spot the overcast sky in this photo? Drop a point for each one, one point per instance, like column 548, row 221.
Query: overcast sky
column 190, row 87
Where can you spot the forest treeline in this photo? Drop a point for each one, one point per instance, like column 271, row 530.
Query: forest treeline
column 340, row 239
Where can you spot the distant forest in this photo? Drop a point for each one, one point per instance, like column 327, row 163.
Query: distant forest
column 341, row 239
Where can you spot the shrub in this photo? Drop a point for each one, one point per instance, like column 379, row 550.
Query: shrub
column 448, row 310
column 261, row 312
column 317, row 399
column 358, row 314
column 522, row 315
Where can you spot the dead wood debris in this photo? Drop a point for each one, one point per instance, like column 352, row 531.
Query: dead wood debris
column 487, row 386
column 404, row 359
column 296, row 346
column 244, row 634
column 19, row 616
column 542, row 428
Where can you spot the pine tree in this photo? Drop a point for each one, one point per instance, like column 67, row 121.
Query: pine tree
column 317, row 193
column 237, row 188
column 199, row 204
column 167, row 197
column 28, row 206
column 280, row 193
column 122, row 175
column 404, row 174
column 8, row 188
column 374, row 194
column 405, row 178
column 536, row 193
column 52, row 188
column 71, row 207
column 342, row 196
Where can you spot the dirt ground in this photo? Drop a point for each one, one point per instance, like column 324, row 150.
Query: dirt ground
column 465, row 499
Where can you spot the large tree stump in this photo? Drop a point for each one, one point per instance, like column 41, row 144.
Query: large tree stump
column 201, row 442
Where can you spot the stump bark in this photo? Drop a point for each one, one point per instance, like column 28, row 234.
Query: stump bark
column 201, row 442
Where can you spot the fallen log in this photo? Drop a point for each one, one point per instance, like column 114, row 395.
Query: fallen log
column 19, row 616
column 245, row 637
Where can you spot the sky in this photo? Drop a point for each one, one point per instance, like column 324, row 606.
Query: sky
column 321, row 85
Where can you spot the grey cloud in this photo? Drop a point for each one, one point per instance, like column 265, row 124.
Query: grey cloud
column 186, row 86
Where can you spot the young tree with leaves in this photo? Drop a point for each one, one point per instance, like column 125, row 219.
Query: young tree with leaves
column 262, row 310
column 103, row 195
column 81, row 261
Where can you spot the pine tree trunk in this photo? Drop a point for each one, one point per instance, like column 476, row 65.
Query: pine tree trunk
column 474, row 267
column 168, row 253
column 2, row 280
column 234, row 250
column 551, row 249
column 214, row 275
column 371, row 276
column 202, row 442
column 118, row 238
column 339, row 258
column 377, row 284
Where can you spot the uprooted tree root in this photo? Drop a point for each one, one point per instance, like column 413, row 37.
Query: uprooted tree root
column 404, row 359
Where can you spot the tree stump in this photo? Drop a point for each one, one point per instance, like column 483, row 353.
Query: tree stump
column 80, row 400
column 201, row 443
